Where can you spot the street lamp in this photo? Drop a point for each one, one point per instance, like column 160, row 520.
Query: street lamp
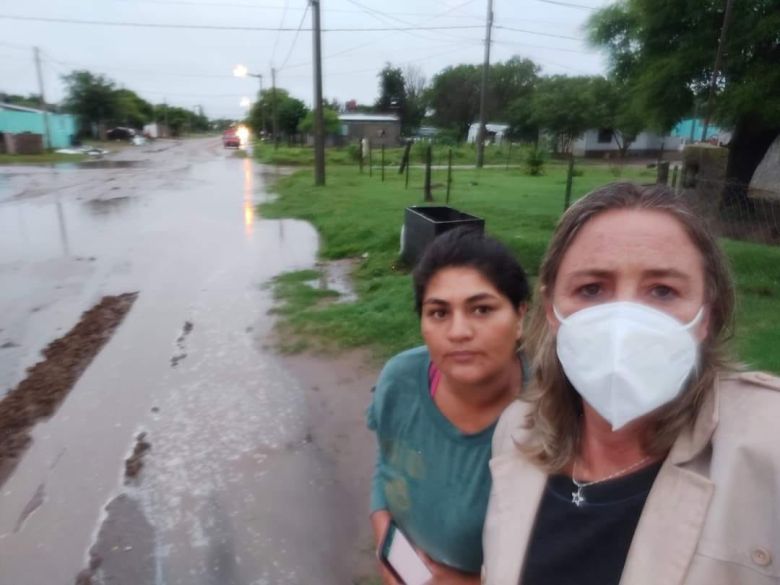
column 245, row 102
column 242, row 71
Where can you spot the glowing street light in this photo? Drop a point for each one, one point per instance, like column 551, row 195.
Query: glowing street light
column 240, row 71
column 245, row 102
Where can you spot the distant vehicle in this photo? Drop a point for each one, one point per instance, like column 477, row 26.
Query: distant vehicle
column 231, row 139
column 120, row 133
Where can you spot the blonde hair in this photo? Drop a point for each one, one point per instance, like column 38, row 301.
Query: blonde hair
column 554, row 421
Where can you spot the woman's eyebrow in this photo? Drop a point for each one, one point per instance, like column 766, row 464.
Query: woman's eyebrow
column 480, row 297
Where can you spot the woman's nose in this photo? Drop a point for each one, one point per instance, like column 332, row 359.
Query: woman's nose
column 460, row 327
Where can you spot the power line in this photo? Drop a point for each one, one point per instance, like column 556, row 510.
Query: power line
column 541, row 34
column 227, row 28
column 568, row 4
column 295, row 38
column 279, row 33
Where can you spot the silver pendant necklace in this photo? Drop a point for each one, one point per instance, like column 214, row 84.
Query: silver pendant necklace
column 578, row 498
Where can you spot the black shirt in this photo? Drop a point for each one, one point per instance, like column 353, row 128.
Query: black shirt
column 586, row 545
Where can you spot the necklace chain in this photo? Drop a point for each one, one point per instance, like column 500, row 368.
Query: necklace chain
column 578, row 498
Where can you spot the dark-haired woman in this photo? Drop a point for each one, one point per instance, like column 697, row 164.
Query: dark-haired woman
column 435, row 407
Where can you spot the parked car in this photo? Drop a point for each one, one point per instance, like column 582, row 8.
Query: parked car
column 120, row 133
column 230, row 138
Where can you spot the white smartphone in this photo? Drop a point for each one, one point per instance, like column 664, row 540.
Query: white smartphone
column 398, row 554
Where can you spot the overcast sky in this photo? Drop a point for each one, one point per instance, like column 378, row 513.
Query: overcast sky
column 193, row 67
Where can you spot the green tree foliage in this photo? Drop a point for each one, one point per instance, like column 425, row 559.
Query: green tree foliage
column 29, row 101
column 614, row 108
column 564, row 107
column 289, row 111
column 330, row 119
column 131, row 109
column 666, row 51
column 180, row 120
column 91, row 97
column 454, row 97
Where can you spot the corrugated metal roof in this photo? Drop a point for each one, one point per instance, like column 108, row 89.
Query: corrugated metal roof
column 16, row 108
column 368, row 118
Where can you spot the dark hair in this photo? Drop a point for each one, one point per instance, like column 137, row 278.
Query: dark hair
column 468, row 247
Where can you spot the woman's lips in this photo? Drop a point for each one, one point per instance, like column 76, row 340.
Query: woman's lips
column 462, row 355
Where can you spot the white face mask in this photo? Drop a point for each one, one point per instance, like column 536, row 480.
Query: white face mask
column 626, row 359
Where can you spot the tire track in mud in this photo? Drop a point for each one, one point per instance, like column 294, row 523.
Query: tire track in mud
column 48, row 382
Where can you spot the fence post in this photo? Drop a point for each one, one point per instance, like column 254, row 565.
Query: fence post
column 370, row 160
column 408, row 164
column 569, row 179
column 662, row 178
column 449, row 175
column 675, row 170
column 360, row 155
column 509, row 156
column 428, row 156
column 383, row 163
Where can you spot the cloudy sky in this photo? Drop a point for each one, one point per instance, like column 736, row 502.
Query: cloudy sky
column 192, row 66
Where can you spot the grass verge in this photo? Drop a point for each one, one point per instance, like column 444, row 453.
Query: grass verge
column 40, row 159
column 358, row 216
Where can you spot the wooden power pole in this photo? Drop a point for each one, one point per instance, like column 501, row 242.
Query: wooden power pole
column 716, row 68
column 319, row 123
column 43, row 99
column 483, row 91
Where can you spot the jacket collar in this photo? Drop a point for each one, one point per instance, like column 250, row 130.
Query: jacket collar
column 665, row 531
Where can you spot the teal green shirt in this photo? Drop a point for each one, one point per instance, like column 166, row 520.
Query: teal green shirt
column 432, row 478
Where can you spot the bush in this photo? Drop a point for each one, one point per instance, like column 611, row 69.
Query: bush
column 534, row 162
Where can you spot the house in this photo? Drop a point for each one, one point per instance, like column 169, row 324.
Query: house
column 379, row 129
column 690, row 129
column 20, row 120
column 601, row 142
column 495, row 133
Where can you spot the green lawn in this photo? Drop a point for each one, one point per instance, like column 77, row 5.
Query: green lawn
column 359, row 216
column 45, row 158
column 463, row 154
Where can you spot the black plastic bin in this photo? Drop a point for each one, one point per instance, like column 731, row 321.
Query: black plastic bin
column 423, row 223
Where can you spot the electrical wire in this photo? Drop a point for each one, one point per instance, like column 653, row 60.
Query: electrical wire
column 225, row 28
column 568, row 4
column 295, row 38
column 541, row 34
column 281, row 26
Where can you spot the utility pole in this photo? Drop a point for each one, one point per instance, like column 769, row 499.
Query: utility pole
column 273, row 108
column 319, row 125
column 483, row 92
column 43, row 98
column 716, row 68
column 262, row 107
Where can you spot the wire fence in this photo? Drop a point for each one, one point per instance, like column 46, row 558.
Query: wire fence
column 731, row 208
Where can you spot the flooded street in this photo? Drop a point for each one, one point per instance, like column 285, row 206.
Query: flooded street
column 248, row 479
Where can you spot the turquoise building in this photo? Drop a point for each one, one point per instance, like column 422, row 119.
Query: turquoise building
column 684, row 128
column 17, row 120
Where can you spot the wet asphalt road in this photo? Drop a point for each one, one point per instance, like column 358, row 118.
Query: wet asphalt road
column 233, row 490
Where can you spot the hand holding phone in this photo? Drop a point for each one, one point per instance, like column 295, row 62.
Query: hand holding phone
column 399, row 556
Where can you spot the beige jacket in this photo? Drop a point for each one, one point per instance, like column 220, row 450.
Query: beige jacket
column 711, row 518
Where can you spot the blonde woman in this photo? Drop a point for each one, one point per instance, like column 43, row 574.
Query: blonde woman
column 637, row 455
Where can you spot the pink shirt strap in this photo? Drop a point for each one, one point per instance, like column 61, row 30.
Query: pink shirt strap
column 434, row 377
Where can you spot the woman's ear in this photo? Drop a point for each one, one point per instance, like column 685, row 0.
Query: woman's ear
column 549, row 312
column 703, row 328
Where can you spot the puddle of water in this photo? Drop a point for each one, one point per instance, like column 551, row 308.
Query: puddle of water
column 336, row 276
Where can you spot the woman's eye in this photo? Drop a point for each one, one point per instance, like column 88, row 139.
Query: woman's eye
column 437, row 314
column 482, row 310
column 662, row 291
column 591, row 290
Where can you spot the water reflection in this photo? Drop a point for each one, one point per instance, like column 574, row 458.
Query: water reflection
column 249, row 204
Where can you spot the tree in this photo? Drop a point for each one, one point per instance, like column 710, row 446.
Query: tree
column 416, row 97
column 666, row 50
column 330, row 120
column 510, row 81
column 564, row 107
column 615, row 109
column 392, row 95
column 131, row 109
column 91, row 97
column 289, row 112
column 454, row 97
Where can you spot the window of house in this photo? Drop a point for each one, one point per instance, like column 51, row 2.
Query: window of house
column 605, row 136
